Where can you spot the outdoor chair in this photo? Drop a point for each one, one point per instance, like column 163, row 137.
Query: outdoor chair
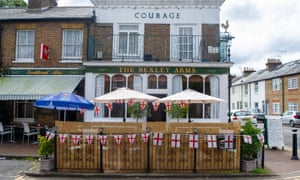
column 4, row 131
column 28, row 132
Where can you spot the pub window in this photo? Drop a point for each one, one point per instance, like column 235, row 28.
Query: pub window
column 152, row 82
column 72, row 44
column 23, row 110
column 118, row 81
column 162, row 82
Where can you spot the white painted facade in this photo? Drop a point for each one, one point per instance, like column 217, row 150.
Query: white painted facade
column 184, row 14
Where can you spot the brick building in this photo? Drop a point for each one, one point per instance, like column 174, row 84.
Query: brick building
column 159, row 48
column 26, row 77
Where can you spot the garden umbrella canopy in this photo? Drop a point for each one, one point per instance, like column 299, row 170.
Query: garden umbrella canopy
column 124, row 95
column 190, row 96
column 64, row 101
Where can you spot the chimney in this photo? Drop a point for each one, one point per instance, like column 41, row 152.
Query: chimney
column 247, row 71
column 40, row 5
column 272, row 64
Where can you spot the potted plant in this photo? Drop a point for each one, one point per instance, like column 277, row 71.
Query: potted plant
column 136, row 111
column 250, row 150
column 46, row 150
column 177, row 112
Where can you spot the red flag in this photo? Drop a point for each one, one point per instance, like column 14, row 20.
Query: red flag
column 97, row 110
column 168, row 106
column 44, row 54
column 143, row 105
column 155, row 105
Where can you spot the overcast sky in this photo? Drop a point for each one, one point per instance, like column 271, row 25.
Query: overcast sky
column 262, row 29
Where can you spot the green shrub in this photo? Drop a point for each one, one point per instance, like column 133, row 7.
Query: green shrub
column 46, row 147
column 249, row 151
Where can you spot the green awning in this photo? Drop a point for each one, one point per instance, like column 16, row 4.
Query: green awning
column 34, row 87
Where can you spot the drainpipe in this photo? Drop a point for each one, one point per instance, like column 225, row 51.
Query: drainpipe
column 1, row 46
column 282, row 94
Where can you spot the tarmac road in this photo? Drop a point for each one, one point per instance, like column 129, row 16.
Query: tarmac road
column 12, row 169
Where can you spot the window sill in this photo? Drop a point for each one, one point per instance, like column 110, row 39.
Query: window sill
column 71, row 61
column 23, row 61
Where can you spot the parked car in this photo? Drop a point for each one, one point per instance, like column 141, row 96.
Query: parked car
column 258, row 114
column 242, row 116
column 291, row 117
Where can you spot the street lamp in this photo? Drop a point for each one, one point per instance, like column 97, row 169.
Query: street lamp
column 225, row 44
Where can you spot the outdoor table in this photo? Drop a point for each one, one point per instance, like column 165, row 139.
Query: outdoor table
column 38, row 129
column 12, row 132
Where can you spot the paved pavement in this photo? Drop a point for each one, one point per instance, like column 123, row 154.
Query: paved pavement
column 279, row 163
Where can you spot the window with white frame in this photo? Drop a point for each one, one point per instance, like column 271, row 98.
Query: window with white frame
column 292, row 83
column 185, row 43
column 233, row 105
column 72, row 44
column 25, row 45
column 233, row 90
column 276, row 84
column 293, row 106
column 276, row 108
column 256, row 87
column 128, row 40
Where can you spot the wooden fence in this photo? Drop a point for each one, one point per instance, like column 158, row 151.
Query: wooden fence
column 141, row 156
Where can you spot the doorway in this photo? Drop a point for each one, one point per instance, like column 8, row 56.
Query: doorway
column 159, row 115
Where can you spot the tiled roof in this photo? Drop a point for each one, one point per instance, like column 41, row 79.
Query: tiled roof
column 286, row 69
column 51, row 13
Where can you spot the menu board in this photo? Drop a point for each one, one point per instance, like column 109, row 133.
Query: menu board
column 274, row 133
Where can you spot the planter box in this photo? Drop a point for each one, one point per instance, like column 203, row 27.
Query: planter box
column 46, row 164
column 248, row 165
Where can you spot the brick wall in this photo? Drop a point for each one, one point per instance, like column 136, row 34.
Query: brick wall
column 49, row 33
column 210, row 35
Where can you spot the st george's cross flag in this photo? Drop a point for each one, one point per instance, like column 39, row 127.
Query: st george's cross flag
column 145, row 137
column 247, row 139
column 228, row 141
column 212, row 141
column 157, row 139
column 193, row 141
column 89, row 139
column 175, row 142
column 44, row 54
column 62, row 138
column 75, row 138
column 131, row 138
column 50, row 136
column 261, row 138
column 102, row 139
column 118, row 138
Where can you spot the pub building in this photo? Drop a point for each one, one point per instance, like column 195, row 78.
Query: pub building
column 158, row 47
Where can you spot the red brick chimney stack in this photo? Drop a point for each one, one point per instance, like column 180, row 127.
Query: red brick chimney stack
column 40, row 5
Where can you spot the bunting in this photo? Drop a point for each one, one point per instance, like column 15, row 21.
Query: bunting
column 89, row 139
column 247, row 139
column 50, row 136
column 228, row 141
column 109, row 106
column 118, row 138
column 130, row 102
column 145, row 137
column 212, row 141
column 62, row 138
column 75, row 139
column 168, row 106
column 155, row 106
column 97, row 109
column 143, row 105
column 102, row 139
column 131, row 138
column 261, row 138
column 193, row 141
column 175, row 140
column 157, row 139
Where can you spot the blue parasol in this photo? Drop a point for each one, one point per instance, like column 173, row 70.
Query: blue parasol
column 64, row 101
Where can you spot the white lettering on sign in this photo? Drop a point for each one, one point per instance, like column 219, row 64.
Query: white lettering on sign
column 153, row 15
